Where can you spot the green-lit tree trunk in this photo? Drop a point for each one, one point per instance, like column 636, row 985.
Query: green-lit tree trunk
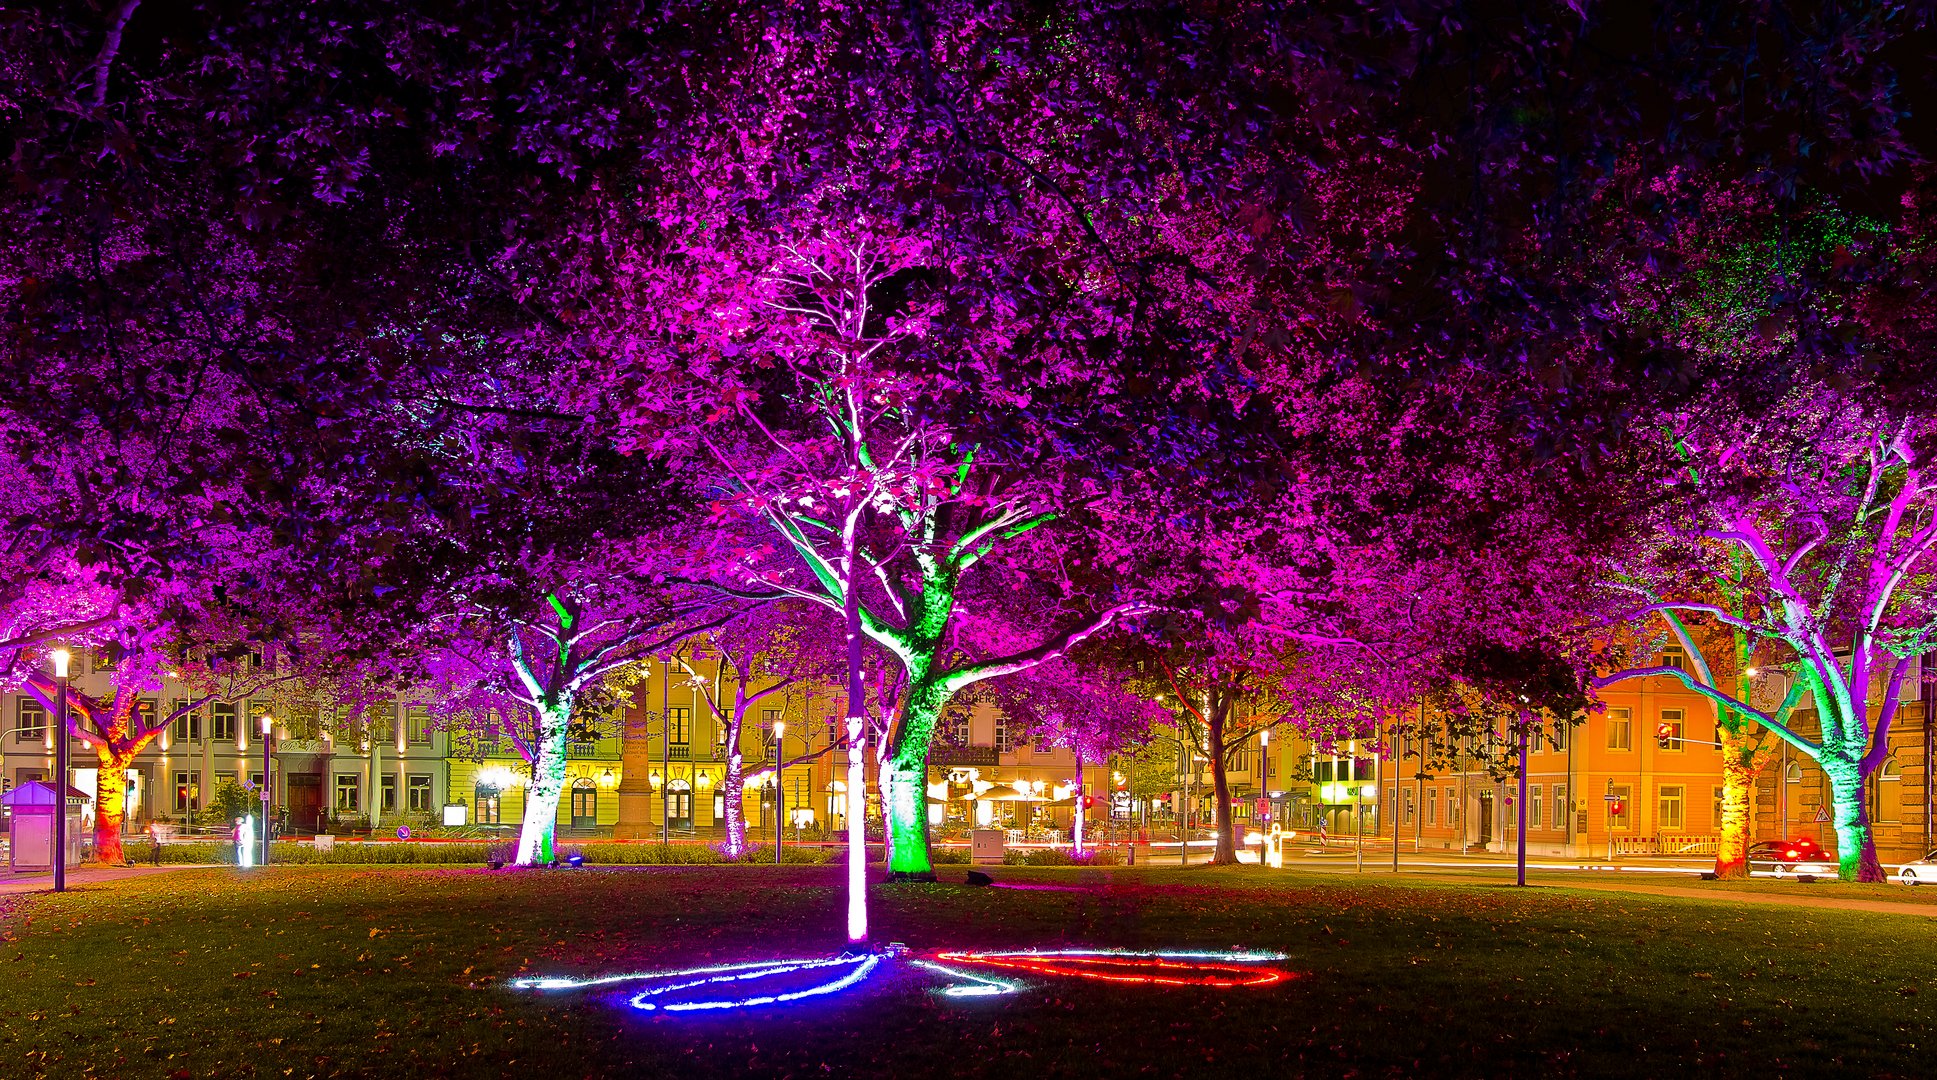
column 1855, row 844
column 906, row 789
column 537, row 833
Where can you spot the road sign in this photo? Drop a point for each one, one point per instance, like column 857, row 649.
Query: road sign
column 1822, row 813
column 1610, row 798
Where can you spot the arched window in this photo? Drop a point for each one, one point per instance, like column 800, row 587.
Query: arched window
column 1886, row 792
column 679, row 804
column 1793, row 773
column 585, row 803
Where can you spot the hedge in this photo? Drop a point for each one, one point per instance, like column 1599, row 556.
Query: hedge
column 477, row 854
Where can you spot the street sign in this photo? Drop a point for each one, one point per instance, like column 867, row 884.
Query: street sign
column 1610, row 798
column 1822, row 813
column 403, row 832
column 1120, row 804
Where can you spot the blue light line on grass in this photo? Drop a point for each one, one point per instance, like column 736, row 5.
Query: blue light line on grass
column 863, row 966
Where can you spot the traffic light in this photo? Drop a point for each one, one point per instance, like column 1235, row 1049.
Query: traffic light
column 1089, row 801
column 1663, row 736
column 1614, row 809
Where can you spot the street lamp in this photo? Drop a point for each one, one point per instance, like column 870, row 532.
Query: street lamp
column 779, row 785
column 60, row 658
column 1359, row 795
column 267, row 727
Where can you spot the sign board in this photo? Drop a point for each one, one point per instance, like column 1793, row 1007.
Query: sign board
column 985, row 845
column 1611, row 798
column 1120, row 804
column 326, row 842
column 1822, row 813
column 403, row 832
column 454, row 813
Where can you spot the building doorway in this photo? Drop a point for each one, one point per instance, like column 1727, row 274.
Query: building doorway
column 585, row 804
column 305, row 800
column 679, row 804
column 1486, row 818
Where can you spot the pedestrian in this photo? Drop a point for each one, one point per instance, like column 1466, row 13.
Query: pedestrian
column 154, row 843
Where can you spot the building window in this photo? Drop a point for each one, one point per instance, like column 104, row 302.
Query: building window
column 1452, row 806
column 1669, row 818
column 187, row 727
column 485, row 802
column 1563, row 730
column 418, row 792
column 348, row 788
column 1534, row 800
column 187, row 793
column 1620, row 734
column 958, row 728
column 221, row 721
column 1792, row 772
column 1620, row 809
column 1003, row 744
column 1717, row 819
column 1886, row 792
column 1432, row 806
column 377, row 723
column 1241, row 760
column 30, row 721
column 679, row 725
column 1408, row 808
column 387, row 790
column 1672, row 656
column 1669, row 732
column 417, row 725
column 1561, row 809
column 103, row 660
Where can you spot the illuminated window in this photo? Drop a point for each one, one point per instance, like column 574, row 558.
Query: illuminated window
column 221, row 721
column 1241, row 760
column 1561, row 809
column 679, row 725
column 1432, row 806
column 1409, row 808
column 1452, row 806
column 417, row 790
column 187, row 728
column 1534, row 800
column 30, row 722
column 1620, row 733
column 387, row 792
column 348, row 792
column 485, row 802
column 187, row 793
column 1003, row 743
column 1717, row 809
column 1672, row 656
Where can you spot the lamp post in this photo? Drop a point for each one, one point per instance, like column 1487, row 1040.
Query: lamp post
column 665, row 752
column 60, row 658
column 268, row 728
column 779, row 785
column 1359, row 795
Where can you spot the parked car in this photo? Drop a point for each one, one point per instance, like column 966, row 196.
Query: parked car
column 1919, row 872
column 1782, row 858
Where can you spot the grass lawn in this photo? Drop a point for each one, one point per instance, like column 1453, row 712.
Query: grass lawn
column 345, row 971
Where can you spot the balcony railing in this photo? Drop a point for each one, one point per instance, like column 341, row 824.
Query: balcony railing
column 679, row 752
column 963, row 755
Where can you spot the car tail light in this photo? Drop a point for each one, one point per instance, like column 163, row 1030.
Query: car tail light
column 1789, row 855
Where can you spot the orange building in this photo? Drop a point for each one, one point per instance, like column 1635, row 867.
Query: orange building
column 1641, row 777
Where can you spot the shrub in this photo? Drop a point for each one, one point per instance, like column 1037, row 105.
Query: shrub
column 1061, row 857
column 948, row 856
column 477, row 854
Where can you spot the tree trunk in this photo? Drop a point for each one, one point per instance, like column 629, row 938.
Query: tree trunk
column 1076, row 835
column 733, row 796
column 1226, row 852
column 537, row 834
column 110, row 809
column 1739, row 768
column 1855, row 846
column 905, row 785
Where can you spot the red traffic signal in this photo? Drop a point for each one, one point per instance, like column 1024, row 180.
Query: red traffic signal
column 1089, row 801
column 1615, row 808
column 1663, row 735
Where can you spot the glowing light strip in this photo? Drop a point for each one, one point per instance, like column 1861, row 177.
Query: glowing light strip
column 1164, row 966
column 566, row 982
column 979, row 985
column 864, row 965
